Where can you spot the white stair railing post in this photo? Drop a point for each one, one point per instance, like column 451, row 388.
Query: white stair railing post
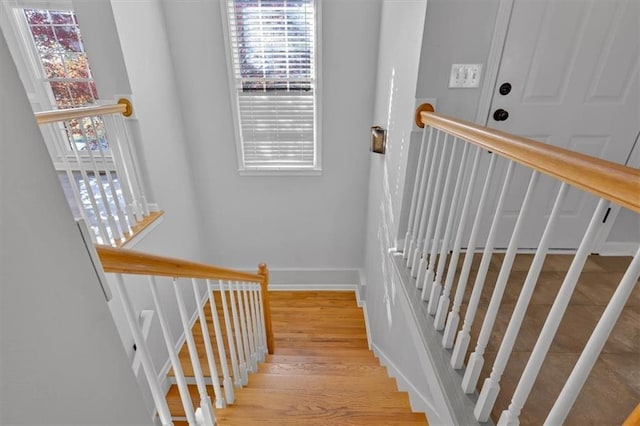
column 169, row 341
column 243, row 327
column 250, row 334
column 443, row 303
column 464, row 336
column 426, row 202
column 232, row 348
column 222, row 356
column 491, row 386
column 421, row 194
column 454, row 316
column 415, row 195
column 589, row 355
column 433, row 191
column 263, row 329
column 476, row 361
column 145, row 355
column 206, row 409
column 243, row 379
column 512, row 414
column 254, row 322
column 430, row 287
column 435, row 297
column 206, row 337
column 115, row 234
column 262, row 335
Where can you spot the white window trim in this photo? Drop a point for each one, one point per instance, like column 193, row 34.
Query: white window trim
column 235, row 108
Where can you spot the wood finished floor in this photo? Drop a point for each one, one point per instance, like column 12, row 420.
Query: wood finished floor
column 613, row 389
column 322, row 372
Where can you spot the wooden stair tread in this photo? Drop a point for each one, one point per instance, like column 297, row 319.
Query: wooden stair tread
column 314, row 382
column 302, row 368
column 366, row 358
column 334, row 417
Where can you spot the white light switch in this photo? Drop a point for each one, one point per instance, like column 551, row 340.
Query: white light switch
column 465, row 75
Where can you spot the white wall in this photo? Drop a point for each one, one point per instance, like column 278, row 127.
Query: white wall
column 402, row 25
column 295, row 224
column 61, row 361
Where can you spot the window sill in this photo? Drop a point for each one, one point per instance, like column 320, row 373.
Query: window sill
column 141, row 229
column 305, row 172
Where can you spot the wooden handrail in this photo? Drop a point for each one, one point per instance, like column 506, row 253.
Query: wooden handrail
column 606, row 179
column 71, row 113
column 123, row 261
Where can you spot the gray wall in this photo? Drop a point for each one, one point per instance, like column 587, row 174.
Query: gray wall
column 293, row 223
column 61, row 361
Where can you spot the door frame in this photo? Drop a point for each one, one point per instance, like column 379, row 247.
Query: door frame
column 488, row 89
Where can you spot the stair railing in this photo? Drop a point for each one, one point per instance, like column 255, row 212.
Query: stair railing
column 446, row 180
column 92, row 148
column 241, row 339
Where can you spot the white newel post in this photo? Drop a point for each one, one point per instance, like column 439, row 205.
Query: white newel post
column 491, row 386
column 443, row 303
column 476, row 361
column 594, row 346
column 169, row 341
column 454, row 316
column 512, row 414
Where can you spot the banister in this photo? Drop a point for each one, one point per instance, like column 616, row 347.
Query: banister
column 606, row 179
column 71, row 113
column 124, row 261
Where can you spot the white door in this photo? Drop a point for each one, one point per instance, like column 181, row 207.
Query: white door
column 573, row 69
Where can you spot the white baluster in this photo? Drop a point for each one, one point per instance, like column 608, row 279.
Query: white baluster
column 435, row 297
column 123, row 220
column 244, row 378
column 145, row 355
column 103, row 237
column 250, row 333
column 512, row 414
column 443, row 303
column 454, row 316
column 594, row 346
column 420, row 269
column 228, row 387
column 169, row 341
column 491, row 385
column 263, row 327
column 421, row 194
column 141, row 206
column 421, row 242
column 260, row 338
column 476, row 361
column 415, row 195
column 254, row 323
column 115, row 146
column 206, row 337
column 115, row 234
column 245, row 332
column 430, row 286
column 464, row 336
column 205, row 401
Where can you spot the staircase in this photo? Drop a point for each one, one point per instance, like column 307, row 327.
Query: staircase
column 321, row 372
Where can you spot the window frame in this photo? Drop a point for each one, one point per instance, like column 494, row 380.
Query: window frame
column 234, row 99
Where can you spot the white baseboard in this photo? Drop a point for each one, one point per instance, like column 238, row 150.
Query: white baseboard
column 619, row 249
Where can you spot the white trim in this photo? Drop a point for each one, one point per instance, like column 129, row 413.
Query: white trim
column 493, row 61
column 419, row 402
column 314, row 287
column 618, row 248
column 146, row 231
column 367, row 328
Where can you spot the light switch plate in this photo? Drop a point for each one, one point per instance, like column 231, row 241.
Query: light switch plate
column 465, row 75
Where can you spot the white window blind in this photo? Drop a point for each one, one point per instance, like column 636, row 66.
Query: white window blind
column 273, row 46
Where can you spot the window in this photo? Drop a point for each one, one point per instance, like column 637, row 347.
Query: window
column 274, row 89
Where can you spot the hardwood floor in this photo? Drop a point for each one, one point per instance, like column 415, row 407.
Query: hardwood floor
column 613, row 389
column 322, row 372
